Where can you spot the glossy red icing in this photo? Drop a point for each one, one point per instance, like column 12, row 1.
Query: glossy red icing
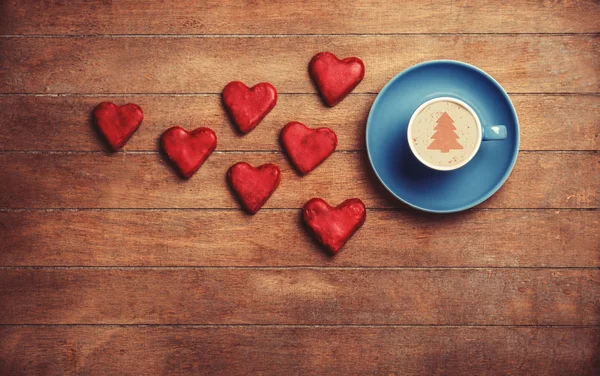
column 334, row 226
column 247, row 107
column 188, row 150
column 335, row 78
column 253, row 186
column 307, row 147
column 118, row 123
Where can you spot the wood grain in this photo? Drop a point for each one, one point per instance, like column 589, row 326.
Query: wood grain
column 563, row 122
column 509, row 291
column 122, row 180
column 300, row 296
column 306, row 17
column 108, row 350
column 224, row 238
column 530, row 63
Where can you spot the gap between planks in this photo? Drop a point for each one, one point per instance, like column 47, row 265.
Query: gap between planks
column 214, row 94
column 374, row 209
column 300, row 35
column 273, row 151
column 327, row 268
column 216, row 326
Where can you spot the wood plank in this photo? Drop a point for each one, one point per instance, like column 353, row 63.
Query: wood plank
column 307, row 17
column 300, row 296
column 230, row 238
column 299, row 350
column 563, row 122
column 530, row 63
column 122, row 180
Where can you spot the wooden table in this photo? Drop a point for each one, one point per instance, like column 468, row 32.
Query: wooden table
column 112, row 265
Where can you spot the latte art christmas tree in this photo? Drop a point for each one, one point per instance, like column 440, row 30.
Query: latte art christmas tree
column 444, row 139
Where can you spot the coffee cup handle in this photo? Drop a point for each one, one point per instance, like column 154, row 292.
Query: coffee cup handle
column 494, row 132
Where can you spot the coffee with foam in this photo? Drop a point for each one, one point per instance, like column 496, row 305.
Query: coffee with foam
column 444, row 134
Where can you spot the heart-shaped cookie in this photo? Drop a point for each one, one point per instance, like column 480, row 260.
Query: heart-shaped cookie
column 247, row 107
column 334, row 226
column 307, row 147
column 335, row 78
column 118, row 123
column 253, row 186
column 188, row 150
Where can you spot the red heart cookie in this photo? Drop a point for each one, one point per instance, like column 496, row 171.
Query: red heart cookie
column 335, row 78
column 117, row 124
column 247, row 107
column 253, row 186
column 306, row 147
column 334, row 226
column 188, row 150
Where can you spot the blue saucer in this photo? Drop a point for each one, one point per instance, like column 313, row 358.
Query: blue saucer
column 407, row 178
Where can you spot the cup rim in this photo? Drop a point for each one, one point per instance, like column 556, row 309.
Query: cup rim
column 446, row 99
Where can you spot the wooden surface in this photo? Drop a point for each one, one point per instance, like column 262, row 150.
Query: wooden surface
column 299, row 350
column 521, row 63
column 300, row 296
column 53, row 123
column 110, row 264
column 146, row 180
column 496, row 238
column 282, row 17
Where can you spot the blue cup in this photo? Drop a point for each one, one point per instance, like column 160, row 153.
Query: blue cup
column 485, row 133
